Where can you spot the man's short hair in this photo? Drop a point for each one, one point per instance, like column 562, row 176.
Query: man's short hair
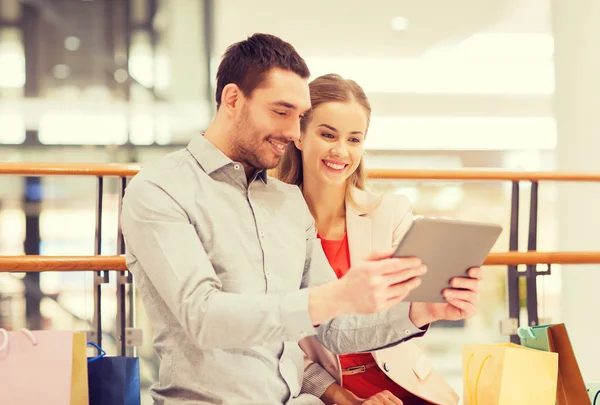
column 245, row 63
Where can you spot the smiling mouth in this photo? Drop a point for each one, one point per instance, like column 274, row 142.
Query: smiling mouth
column 335, row 166
column 279, row 146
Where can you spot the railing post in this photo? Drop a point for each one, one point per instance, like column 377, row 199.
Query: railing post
column 123, row 279
column 532, row 301
column 513, row 272
column 32, row 200
column 100, row 277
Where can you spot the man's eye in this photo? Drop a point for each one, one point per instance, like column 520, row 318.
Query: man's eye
column 281, row 113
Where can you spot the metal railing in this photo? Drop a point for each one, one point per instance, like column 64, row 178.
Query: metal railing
column 38, row 264
column 102, row 264
column 98, row 263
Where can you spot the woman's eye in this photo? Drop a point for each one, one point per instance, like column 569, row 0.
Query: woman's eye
column 281, row 113
column 326, row 135
column 355, row 140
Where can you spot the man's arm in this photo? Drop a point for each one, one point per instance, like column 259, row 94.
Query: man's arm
column 349, row 332
column 164, row 245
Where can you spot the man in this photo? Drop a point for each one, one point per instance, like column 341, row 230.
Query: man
column 227, row 262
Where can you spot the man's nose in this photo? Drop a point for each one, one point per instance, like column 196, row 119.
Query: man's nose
column 292, row 131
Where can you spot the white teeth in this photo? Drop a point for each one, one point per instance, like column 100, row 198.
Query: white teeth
column 334, row 166
column 279, row 146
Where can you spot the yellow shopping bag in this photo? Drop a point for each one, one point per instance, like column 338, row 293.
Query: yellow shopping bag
column 79, row 374
column 508, row 374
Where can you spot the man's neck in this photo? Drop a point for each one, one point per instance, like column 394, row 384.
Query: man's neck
column 219, row 135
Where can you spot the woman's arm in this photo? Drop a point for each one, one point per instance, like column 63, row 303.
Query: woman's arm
column 337, row 395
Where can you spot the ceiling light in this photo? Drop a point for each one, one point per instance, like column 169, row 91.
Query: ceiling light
column 13, row 129
column 399, row 23
column 72, row 43
column 121, row 75
column 12, row 64
column 461, row 133
column 429, row 76
column 61, row 71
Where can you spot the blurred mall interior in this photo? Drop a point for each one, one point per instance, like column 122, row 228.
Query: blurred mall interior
column 492, row 84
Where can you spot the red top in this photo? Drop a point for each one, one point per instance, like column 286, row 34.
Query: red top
column 373, row 380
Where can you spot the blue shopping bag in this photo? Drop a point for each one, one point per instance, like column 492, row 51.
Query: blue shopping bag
column 113, row 380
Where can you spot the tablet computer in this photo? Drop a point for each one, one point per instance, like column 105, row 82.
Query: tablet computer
column 449, row 248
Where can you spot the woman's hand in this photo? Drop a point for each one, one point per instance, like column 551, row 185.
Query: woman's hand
column 461, row 301
column 383, row 398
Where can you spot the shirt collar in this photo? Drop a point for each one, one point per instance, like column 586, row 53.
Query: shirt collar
column 212, row 158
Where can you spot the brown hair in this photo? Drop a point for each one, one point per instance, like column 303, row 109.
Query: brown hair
column 245, row 63
column 325, row 89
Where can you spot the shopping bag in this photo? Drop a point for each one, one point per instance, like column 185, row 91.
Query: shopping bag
column 571, row 388
column 79, row 373
column 113, row 380
column 593, row 390
column 43, row 367
column 508, row 374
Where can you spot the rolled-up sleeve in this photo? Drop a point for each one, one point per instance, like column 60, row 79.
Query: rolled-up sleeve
column 163, row 244
column 316, row 380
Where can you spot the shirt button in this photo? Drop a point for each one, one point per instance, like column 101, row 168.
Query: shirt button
column 406, row 332
column 262, row 234
column 236, row 166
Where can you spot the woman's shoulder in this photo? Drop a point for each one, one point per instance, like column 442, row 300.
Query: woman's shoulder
column 389, row 203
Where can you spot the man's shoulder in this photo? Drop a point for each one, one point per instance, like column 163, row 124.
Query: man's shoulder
column 162, row 166
column 170, row 174
column 166, row 171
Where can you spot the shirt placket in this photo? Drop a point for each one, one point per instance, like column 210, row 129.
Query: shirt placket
column 261, row 229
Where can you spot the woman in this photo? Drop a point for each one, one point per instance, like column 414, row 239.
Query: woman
column 327, row 164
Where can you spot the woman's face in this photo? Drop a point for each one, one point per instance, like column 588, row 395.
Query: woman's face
column 332, row 145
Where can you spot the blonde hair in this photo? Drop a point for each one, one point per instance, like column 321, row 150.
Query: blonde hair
column 325, row 89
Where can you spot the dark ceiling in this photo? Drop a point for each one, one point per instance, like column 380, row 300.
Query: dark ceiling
column 75, row 42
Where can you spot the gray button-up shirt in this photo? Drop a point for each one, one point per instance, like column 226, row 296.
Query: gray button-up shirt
column 222, row 265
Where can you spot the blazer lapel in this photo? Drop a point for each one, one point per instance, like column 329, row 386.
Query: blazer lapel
column 358, row 226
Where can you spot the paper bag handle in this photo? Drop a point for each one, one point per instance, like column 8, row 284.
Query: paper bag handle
column 30, row 335
column 521, row 333
column 27, row 333
column 100, row 355
column 4, row 334
column 474, row 393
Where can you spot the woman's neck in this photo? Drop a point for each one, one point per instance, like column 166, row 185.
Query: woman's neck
column 327, row 204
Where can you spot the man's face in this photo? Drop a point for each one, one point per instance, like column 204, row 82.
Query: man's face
column 270, row 119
